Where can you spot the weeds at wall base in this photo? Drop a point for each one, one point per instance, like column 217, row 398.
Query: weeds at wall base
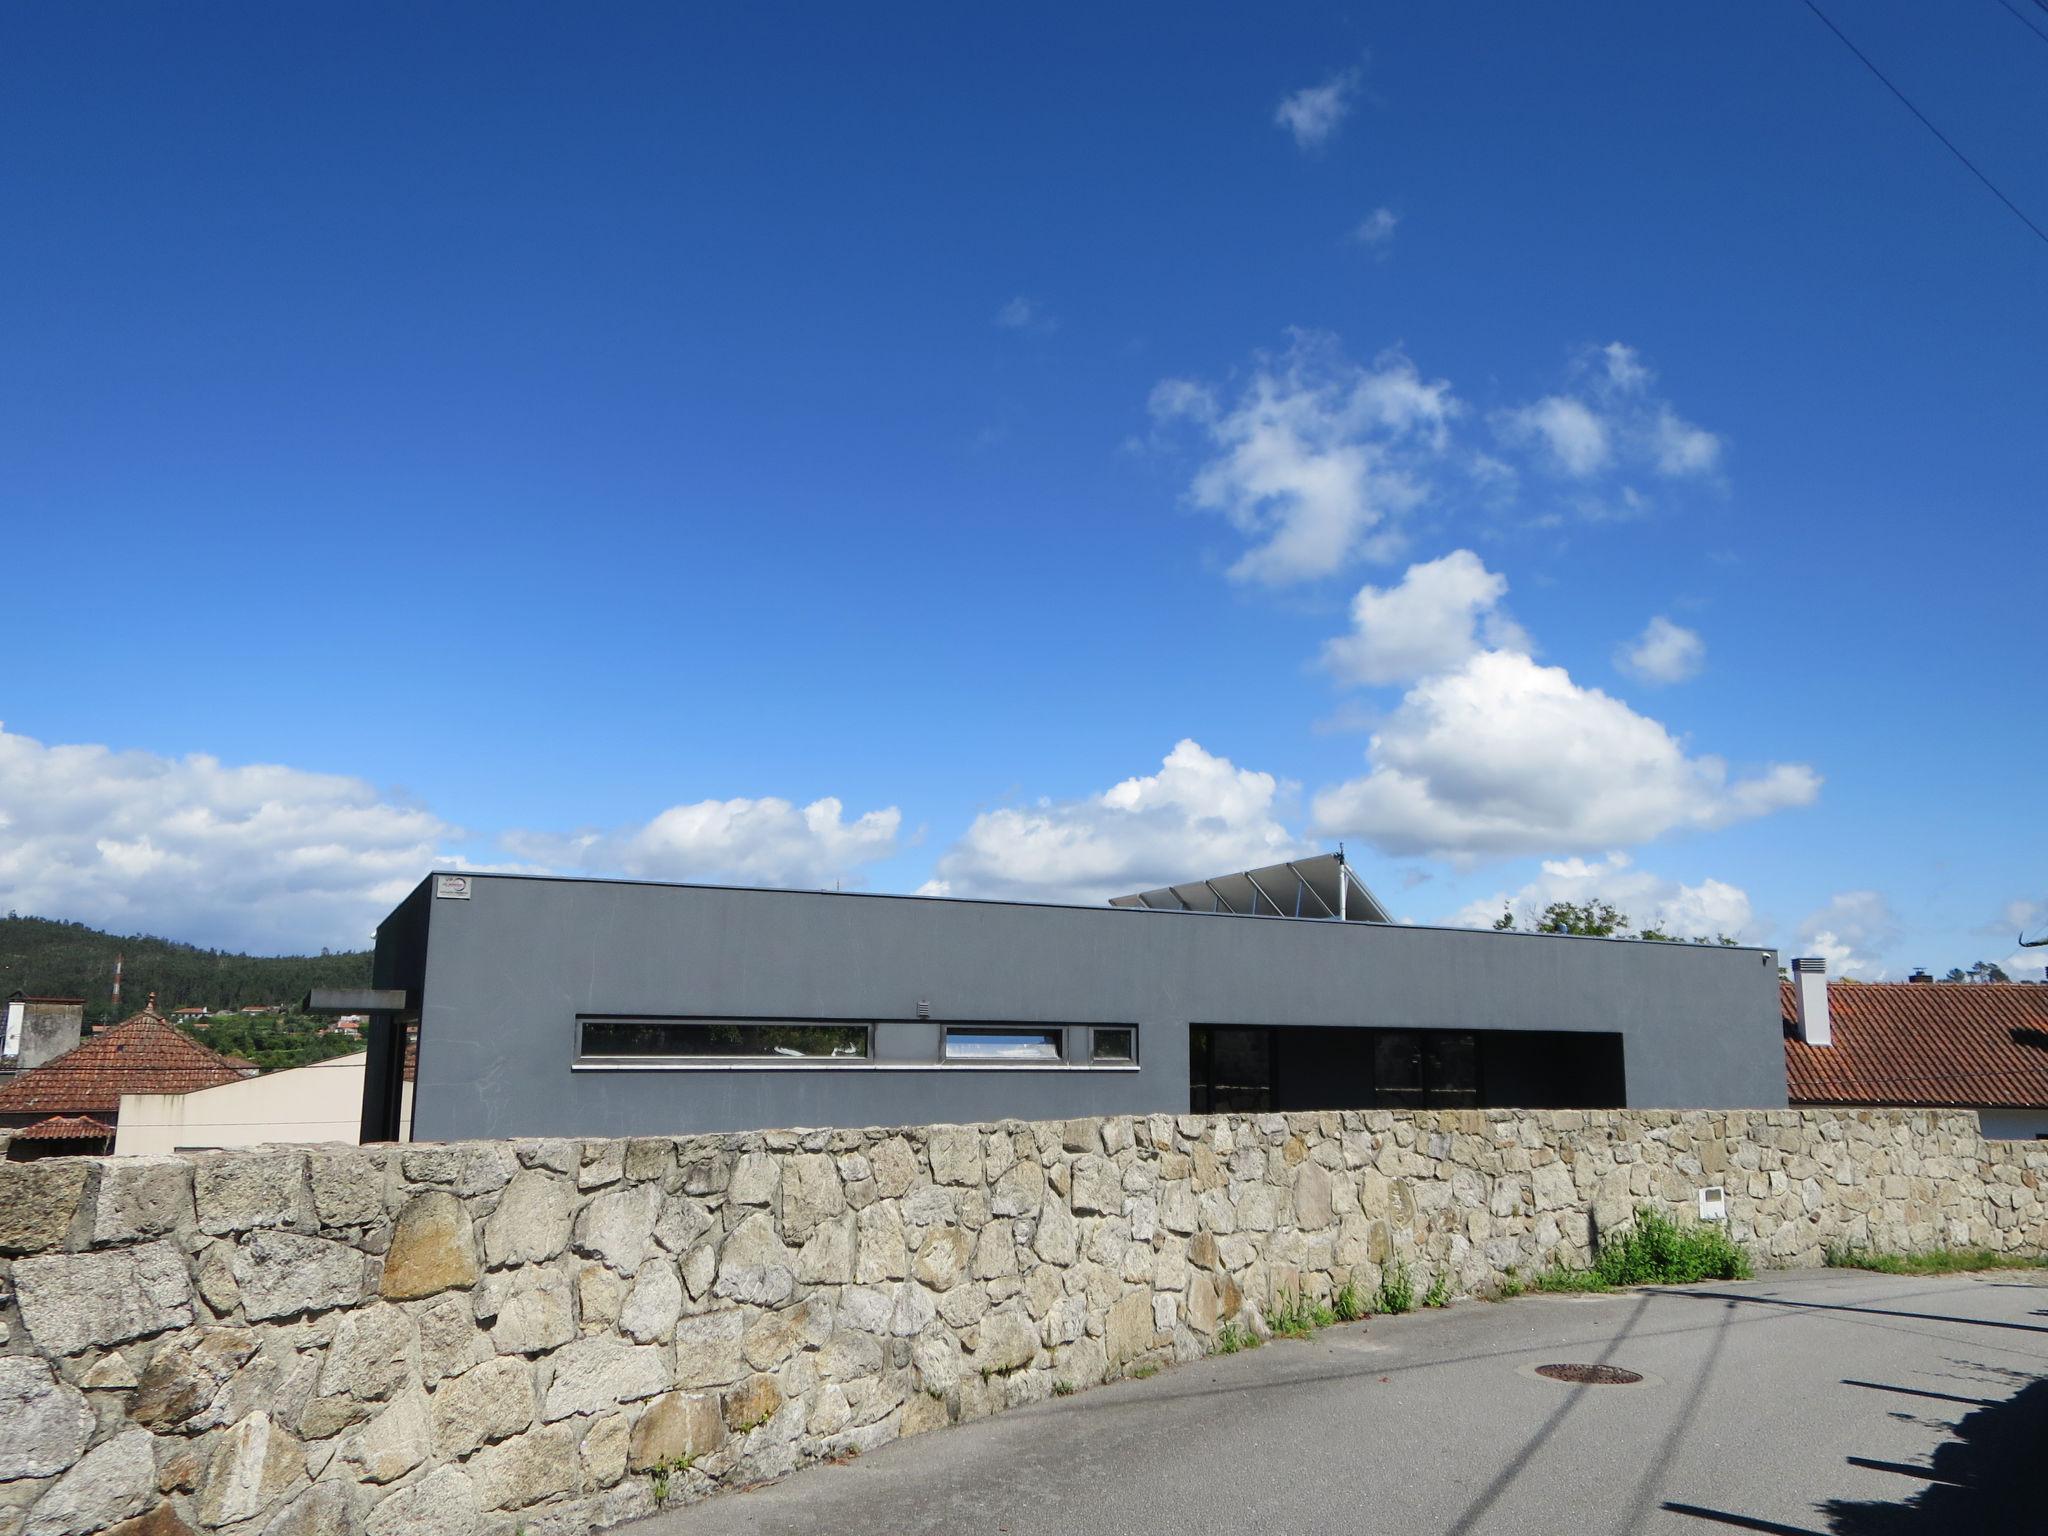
column 1233, row 1337
column 1397, row 1289
column 1348, row 1303
column 659, row 1475
column 1930, row 1261
column 1294, row 1316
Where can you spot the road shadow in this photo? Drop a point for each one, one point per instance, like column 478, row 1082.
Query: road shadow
column 1867, row 1311
column 1987, row 1478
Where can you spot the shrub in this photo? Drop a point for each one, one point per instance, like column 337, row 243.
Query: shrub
column 1657, row 1251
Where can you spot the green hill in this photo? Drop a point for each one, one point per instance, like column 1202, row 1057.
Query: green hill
column 45, row 958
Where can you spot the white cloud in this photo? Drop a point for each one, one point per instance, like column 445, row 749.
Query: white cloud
column 2022, row 915
column 1376, row 230
column 1313, row 113
column 1625, row 368
column 1440, row 614
column 258, row 856
column 2026, row 965
column 1199, row 815
column 1316, row 456
column 1680, row 448
column 1663, row 653
column 1611, row 420
column 270, row 858
column 1502, row 756
column 766, row 841
column 1025, row 314
column 2022, row 918
column 1706, row 910
column 1575, row 435
column 1852, row 933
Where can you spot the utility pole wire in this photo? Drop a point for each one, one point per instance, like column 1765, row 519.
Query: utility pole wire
column 1906, row 101
column 2020, row 16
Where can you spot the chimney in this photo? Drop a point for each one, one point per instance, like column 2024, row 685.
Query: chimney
column 1810, row 1001
column 1921, row 973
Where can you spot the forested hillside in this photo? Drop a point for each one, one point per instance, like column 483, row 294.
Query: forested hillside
column 46, row 958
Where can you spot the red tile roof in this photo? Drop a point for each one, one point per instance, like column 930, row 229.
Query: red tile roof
column 1942, row 1045
column 66, row 1128
column 142, row 1054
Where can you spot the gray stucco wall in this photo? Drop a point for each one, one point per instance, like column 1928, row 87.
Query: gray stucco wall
column 509, row 970
column 48, row 1030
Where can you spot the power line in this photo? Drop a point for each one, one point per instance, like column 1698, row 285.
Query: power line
column 2020, row 16
column 1906, row 101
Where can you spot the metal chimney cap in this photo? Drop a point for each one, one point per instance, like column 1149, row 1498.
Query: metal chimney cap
column 1810, row 966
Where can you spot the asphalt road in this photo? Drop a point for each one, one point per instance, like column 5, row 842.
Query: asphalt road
column 1829, row 1401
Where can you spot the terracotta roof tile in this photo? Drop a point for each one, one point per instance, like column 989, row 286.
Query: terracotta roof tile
column 141, row 1054
column 1944, row 1045
column 66, row 1128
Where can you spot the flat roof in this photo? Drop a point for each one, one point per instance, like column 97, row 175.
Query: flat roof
column 1047, row 906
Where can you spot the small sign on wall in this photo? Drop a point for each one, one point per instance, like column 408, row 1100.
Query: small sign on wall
column 1714, row 1203
column 452, row 887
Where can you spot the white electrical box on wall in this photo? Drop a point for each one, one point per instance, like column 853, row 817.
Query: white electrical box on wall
column 1714, row 1203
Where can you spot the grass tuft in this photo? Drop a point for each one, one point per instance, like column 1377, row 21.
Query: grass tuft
column 1439, row 1292
column 1931, row 1261
column 1563, row 1278
column 1063, row 1389
column 1349, row 1303
column 660, row 1473
column 1232, row 1337
column 1294, row 1316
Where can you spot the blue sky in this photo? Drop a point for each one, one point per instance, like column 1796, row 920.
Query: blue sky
column 585, row 440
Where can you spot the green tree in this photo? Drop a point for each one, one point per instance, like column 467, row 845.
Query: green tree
column 47, row 958
column 1595, row 919
column 1983, row 970
column 1599, row 918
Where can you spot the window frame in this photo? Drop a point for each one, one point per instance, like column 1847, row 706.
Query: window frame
column 1057, row 1032
column 583, row 1059
column 1097, row 1061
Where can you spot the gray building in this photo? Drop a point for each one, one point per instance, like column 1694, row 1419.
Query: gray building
column 38, row 1029
column 554, row 1007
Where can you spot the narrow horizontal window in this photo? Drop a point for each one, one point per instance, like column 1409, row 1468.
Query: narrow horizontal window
column 721, row 1040
column 1115, row 1047
column 1004, row 1044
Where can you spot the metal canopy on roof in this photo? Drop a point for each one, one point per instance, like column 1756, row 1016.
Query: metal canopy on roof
column 1321, row 887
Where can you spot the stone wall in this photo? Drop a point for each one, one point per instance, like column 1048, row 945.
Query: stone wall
column 550, row 1335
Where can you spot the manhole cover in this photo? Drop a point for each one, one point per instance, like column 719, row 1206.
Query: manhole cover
column 1591, row 1375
